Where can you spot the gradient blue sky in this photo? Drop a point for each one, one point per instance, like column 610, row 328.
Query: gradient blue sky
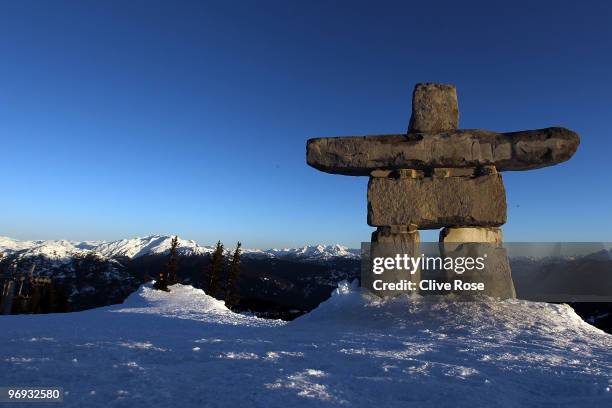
column 122, row 119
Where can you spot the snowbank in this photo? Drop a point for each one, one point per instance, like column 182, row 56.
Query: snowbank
column 349, row 306
column 186, row 302
column 186, row 349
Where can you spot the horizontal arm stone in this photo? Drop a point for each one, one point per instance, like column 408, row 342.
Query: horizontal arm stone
column 525, row 150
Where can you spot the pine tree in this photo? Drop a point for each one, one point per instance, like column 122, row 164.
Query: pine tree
column 146, row 277
column 58, row 301
column 215, row 269
column 168, row 275
column 172, row 265
column 232, row 295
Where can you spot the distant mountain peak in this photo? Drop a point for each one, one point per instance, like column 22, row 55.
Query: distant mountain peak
column 149, row 245
column 317, row 252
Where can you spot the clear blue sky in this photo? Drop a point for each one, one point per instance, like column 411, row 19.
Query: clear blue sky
column 122, row 119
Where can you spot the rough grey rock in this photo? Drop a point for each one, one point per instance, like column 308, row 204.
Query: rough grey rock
column 432, row 203
column 401, row 173
column 399, row 240
column 496, row 275
column 360, row 155
column 434, row 108
column 387, row 243
column 471, row 234
column 480, row 242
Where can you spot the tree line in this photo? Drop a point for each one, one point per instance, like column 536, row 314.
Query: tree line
column 218, row 268
column 34, row 294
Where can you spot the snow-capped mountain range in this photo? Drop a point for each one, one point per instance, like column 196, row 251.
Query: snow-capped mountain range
column 95, row 274
column 159, row 245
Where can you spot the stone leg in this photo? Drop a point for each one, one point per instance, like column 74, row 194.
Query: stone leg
column 388, row 242
column 480, row 242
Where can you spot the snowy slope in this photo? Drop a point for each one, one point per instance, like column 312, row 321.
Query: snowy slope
column 53, row 249
column 131, row 248
column 186, row 349
column 8, row 245
column 186, row 302
column 151, row 245
column 316, row 252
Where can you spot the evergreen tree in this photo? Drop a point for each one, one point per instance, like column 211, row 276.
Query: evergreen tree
column 45, row 298
column 58, row 301
column 172, row 265
column 215, row 269
column 168, row 275
column 232, row 295
column 36, row 300
column 146, row 277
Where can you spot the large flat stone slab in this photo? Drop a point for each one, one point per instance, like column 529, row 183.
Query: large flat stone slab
column 525, row 150
column 432, row 203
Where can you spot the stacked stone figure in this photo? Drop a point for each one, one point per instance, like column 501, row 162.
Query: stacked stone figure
column 439, row 176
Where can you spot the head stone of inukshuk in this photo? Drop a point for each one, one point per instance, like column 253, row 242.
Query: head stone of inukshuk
column 438, row 176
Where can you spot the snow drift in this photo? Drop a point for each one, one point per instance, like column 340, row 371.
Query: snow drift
column 186, row 349
column 186, row 302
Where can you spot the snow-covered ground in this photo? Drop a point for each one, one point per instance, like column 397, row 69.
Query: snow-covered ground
column 185, row 349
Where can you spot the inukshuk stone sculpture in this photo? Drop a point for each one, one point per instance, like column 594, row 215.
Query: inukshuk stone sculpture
column 439, row 176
